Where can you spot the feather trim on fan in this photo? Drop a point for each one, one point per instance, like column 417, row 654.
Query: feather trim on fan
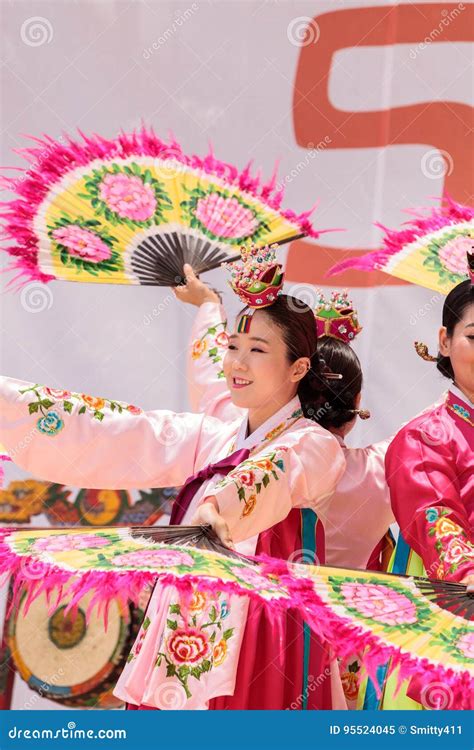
column 86, row 209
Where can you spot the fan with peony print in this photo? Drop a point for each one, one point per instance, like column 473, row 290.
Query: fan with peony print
column 424, row 627
column 434, row 249
column 134, row 209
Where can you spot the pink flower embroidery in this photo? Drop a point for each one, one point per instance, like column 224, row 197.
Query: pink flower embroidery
column 380, row 603
column 251, row 577
column 222, row 339
column 63, row 542
column 187, row 646
column 456, row 550
column 247, row 478
column 128, row 196
column 453, row 254
column 225, row 217
column 159, row 558
column 134, row 409
column 56, row 393
column 82, row 243
column 466, row 645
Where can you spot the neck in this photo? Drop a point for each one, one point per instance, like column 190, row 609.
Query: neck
column 260, row 414
column 469, row 395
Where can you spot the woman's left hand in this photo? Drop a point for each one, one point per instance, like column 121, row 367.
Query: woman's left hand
column 207, row 514
column 469, row 582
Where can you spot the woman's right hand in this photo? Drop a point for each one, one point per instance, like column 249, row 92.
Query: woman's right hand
column 194, row 292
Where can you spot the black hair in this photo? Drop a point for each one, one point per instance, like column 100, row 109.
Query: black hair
column 455, row 305
column 328, row 402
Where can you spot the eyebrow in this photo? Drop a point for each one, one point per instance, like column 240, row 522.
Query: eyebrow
column 252, row 338
column 470, row 325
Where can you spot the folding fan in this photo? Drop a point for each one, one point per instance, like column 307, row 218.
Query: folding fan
column 431, row 251
column 406, row 619
column 134, row 209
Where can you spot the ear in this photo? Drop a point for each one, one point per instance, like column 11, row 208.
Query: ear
column 444, row 342
column 300, row 368
column 358, row 400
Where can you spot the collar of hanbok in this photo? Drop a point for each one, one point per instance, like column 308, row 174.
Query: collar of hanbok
column 272, row 427
column 461, row 409
column 459, row 395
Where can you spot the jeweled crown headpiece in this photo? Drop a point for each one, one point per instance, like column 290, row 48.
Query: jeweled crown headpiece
column 257, row 278
column 336, row 317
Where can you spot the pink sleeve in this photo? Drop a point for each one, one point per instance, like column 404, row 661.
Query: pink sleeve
column 424, row 490
column 262, row 490
column 86, row 441
column 207, row 388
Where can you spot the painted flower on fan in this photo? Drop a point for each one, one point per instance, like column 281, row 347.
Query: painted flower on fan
column 466, row 645
column 453, row 254
column 225, row 217
column 93, row 401
column 82, row 243
column 199, row 347
column 66, row 542
column 251, row 577
column 458, row 550
column 153, row 558
column 219, row 653
column 56, row 393
column 128, row 196
column 379, row 603
column 188, row 645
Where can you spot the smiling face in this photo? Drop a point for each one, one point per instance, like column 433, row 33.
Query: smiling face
column 257, row 369
column 460, row 349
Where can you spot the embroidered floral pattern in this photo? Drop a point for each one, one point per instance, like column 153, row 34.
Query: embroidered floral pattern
column 450, row 541
column 223, row 216
column 253, row 475
column 51, row 422
column 214, row 342
column 195, row 641
column 350, row 680
column 127, row 195
column 137, row 646
column 85, row 244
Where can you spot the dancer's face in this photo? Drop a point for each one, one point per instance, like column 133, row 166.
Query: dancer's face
column 460, row 349
column 257, row 369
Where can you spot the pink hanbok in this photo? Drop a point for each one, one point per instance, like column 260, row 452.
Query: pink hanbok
column 214, row 652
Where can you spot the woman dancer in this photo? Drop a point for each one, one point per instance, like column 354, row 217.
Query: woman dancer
column 248, row 477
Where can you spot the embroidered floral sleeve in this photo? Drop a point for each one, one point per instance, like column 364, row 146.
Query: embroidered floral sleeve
column 262, row 490
column 208, row 392
column 424, row 490
column 85, row 441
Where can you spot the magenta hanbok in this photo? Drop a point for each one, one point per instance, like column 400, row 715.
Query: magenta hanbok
column 214, row 652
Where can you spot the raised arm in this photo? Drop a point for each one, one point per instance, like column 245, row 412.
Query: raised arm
column 86, row 441
column 425, row 496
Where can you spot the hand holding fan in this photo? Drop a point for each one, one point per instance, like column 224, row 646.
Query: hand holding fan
column 134, row 209
column 424, row 627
